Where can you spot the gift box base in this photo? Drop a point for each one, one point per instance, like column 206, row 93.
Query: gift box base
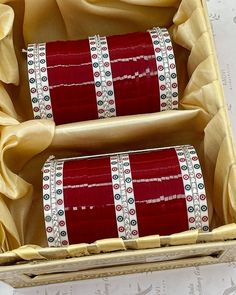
column 119, row 263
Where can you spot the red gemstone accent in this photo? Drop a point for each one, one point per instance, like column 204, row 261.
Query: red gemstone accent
column 202, row 197
column 62, row 223
column 118, row 207
column 60, row 202
column 46, row 207
column 129, row 190
column 163, row 87
column 116, row 186
column 132, row 211
column 204, row 218
column 199, row 175
column 134, row 232
column 174, row 85
column 186, row 177
column 189, row 198
column 191, row 219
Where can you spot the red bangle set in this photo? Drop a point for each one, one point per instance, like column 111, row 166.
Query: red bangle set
column 72, row 81
column 126, row 195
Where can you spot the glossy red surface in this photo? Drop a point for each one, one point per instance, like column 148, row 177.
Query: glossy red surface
column 89, row 201
column 71, row 79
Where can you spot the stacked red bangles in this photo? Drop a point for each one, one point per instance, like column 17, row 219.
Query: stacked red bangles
column 100, row 77
column 126, row 195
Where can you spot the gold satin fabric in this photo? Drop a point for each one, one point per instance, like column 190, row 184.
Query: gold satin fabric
column 25, row 144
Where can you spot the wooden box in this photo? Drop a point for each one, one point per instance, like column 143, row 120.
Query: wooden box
column 202, row 121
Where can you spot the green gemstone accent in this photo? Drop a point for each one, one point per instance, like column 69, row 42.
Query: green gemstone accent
column 204, row 208
column 187, row 187
column 190, row 209
column 201, row 186
column 130, row 201
column 34, row 100
column 117, row 196
column 120, row 218
column 162, row 78
column 60, row 212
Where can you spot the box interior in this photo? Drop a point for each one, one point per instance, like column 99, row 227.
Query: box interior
column 202, row 119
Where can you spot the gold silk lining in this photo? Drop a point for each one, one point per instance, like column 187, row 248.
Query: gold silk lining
column 25, row 144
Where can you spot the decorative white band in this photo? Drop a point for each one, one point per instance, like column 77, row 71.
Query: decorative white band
column 102, row 73
column 169, row 65
column 194, row 188
column 160, row 70
column 124, row 199
column 38, row 81
column 53, row 201
column 167, row 76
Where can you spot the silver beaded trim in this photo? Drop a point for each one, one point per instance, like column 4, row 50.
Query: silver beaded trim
column 169, row 66
column 38, row 81
column 124, row 200
column 102, row 77
column 55, row 221
column 53, row 201
column 194, row 188
column 166, row 69
column 167, row 75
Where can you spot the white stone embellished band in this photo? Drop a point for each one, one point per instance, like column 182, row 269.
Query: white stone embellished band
column 124, row 199
column 38, row 81
column 102, row 73
column 53, row 202
column 194, row 188
column 166, row 68
column 169, row 58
